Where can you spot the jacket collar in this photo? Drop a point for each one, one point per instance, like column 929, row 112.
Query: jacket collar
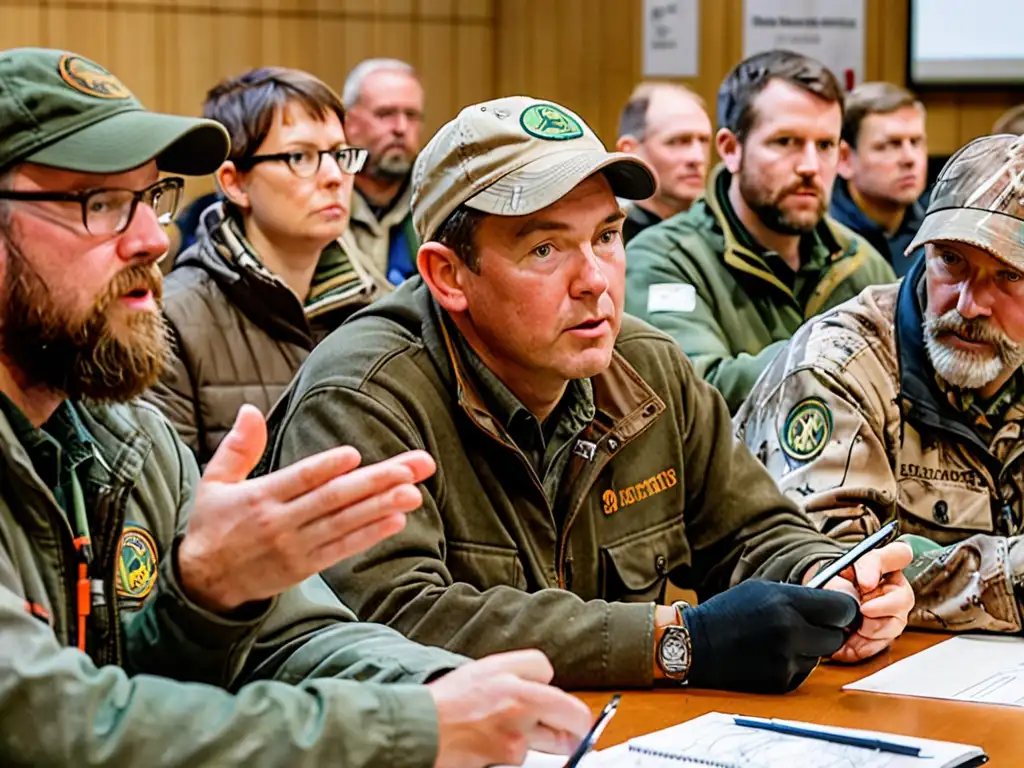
column 742, row 252
column 846, row 208
column 120, row 448
column 623, row 401
column 226, row 255
column 363, row 214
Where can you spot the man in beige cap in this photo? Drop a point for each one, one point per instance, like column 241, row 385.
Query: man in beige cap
column 908, row 402
column 581, row 463
column 147, row 614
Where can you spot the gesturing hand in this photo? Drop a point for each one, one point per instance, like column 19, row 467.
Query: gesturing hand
column 493, row 710
column 252, row 539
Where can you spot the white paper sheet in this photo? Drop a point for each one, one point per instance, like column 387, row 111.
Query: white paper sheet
column 717, row 741
column 988, row 670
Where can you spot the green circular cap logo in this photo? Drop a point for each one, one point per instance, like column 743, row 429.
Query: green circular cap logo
column 546, row 121
column 90, row 78
column 807, row 429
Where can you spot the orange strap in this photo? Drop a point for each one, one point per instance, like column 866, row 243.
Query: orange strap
column 84, row 602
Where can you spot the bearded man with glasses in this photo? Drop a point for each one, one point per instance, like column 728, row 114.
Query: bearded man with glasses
column 148, row 614
column 273, row 269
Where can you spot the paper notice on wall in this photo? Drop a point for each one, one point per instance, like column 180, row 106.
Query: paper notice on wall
column 831, row 31
column 671, row 32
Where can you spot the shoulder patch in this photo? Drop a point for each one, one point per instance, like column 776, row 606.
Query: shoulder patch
column 546, row 121
column 91, row 79
column 136, row 563
column 806, row 430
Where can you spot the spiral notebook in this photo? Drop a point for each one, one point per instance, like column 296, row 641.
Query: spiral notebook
column 715, row 741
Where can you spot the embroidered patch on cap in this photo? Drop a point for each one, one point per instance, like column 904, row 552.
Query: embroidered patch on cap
column 546, row 121
column 806, row 430
column 136, row 563
column 91, row 79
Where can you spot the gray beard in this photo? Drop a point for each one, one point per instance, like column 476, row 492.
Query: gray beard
column 962, row 368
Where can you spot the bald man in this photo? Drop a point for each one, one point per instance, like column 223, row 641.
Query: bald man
column 666, row 124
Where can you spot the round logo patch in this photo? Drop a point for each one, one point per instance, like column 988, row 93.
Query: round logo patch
column 91, row 79
column 136, row 563
column 807, row 429
column 546, row 121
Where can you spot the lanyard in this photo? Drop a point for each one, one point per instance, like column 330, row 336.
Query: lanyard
column 83, row 546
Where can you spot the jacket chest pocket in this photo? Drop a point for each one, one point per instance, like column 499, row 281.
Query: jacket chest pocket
column 636, row 568
column 944, row 512
column 485, row 566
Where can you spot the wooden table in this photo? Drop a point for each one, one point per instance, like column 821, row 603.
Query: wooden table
column 997, row 729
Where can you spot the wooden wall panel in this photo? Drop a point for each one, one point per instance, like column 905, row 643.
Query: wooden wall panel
column 170, row 52
column 547, row 49
column 583, row 53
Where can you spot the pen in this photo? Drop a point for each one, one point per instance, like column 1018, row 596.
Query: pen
column 866, row 742
column 595, row 732
column 882, row 536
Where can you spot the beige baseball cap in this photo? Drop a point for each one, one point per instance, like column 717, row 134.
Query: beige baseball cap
column 978, row 199
column 512, row 157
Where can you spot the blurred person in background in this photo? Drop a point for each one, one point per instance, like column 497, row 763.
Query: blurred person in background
column 883, row 169
column 668, row 126
column 384, row 99
column 1011, row 121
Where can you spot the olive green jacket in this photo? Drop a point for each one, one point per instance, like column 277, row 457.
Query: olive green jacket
column 699, row 277
column 295, row 681
column 657, row 489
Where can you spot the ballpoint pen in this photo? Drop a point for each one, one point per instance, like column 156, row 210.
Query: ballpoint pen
column 595, row 732
column 867, row 742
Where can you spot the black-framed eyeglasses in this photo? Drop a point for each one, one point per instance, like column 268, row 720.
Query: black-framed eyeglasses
column 109, row 211
column 305, row 163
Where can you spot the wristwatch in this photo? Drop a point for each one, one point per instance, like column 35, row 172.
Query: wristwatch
column 674, row 652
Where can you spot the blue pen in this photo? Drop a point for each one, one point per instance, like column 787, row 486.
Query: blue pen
column 866, row 742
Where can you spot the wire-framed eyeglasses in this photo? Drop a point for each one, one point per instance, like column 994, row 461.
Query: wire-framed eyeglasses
column 109, row 211
column 305, row 163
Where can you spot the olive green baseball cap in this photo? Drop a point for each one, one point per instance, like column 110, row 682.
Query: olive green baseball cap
column 978, row 198
column 61, row 110
column 512, row 157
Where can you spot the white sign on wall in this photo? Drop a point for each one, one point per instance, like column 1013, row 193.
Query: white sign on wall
column 671, row 31
column 831, row 31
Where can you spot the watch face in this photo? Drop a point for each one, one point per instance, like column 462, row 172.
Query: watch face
column 674, row 652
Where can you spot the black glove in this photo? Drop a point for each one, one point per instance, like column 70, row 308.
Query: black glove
column 765, row 637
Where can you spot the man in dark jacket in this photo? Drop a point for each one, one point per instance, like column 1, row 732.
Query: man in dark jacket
column 582, row 464
column 273, row 270
column 147, row 615
column 883, row 167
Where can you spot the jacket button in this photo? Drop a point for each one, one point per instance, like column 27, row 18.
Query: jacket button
column 649, row 410
column 613, row 444
column 660, row 565
column 941, row 512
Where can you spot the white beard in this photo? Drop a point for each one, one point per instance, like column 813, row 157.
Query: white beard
column 966, row 369
column 961, row 368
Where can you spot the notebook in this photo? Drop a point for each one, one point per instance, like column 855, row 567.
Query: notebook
column 714, row 741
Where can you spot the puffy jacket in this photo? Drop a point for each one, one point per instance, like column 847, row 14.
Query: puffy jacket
column 239, row 333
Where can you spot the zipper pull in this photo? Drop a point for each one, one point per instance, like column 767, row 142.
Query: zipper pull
column 83, row 590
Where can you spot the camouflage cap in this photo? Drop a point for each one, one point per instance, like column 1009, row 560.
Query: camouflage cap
column 61, row 110
column 512, row 157
column 978, row 199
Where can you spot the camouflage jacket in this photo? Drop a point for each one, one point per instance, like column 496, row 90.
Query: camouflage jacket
column 851, row 423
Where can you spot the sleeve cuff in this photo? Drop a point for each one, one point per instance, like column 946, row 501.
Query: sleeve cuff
column 205, row 628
